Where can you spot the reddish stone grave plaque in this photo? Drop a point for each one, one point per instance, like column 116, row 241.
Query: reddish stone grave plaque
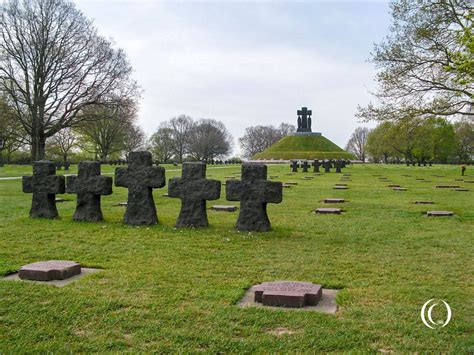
column 50, row 270
column 439, row 213
column 224, row 208
column 291, row 294
column 334, row 200
column 328, row 210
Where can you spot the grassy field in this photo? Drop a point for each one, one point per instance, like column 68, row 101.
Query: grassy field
column 166, row 289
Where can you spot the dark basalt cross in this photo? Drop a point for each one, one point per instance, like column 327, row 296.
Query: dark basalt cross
column 316, row 166
column 305, row 166
column 254, row 192
column 44, row 184
column 294, row 166
column 141, row 177
column 304, row 120
column 89, row 186
column 338, row 166
column 327, row 166
column 193, row 189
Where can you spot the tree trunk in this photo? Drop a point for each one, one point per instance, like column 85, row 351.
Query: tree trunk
column 41, row 154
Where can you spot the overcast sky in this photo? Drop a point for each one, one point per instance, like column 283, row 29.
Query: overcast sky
column 248, row 62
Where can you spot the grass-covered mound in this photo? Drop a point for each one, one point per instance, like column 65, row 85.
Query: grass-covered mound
column 304, row 147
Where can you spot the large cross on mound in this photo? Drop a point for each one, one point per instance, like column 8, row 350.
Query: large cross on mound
column 254, row 192
column 141, row 177
column 44, row 184
column 193, row 189
column 304, row 120
column 89, row 186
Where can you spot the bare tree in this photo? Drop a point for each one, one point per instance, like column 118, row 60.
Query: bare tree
column 426, row 62
column 181, row 127
column 209, row 139
column 63, row 142
column 258, row 138
column 133, row 139
column 161, row 144
column 53, row 64
column 358, row 143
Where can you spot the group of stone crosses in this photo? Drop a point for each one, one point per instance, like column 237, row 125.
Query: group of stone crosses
column 317, row 164
column 140, row 178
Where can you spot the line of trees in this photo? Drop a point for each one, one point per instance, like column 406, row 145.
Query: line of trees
column 183, row 138
column 421, row 140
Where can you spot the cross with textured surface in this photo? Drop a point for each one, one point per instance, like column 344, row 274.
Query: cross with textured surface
column 141, row 177
column 89, row 186
column 193, row 189
column 254, row 192
column 44, row 184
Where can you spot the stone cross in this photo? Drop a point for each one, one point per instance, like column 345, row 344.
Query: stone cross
column 141, row 177
column 316, row 165
column 193, row 189
column 327, row 166
column 254, row 192
column 89, row 186
column 305, row 166
column 294, row 166
column 44, row 184
column 304, row 120
column 338, row 166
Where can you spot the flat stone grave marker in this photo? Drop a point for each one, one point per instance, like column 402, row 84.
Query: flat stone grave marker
column 291, row 183
column 286, row 185
column 461, row 189
column 289, row 294
column 328, row 211
column 469, row 181
column 338, row 187
column 447, row 186
column 49, row 270
column 308, row 177
column 346, row 174
column 318, row 174
column 224, row 208
column 399, row 189
column 166, row 195
column 393, row 185
column 272, row 176
column 340, row 184
column 334, row 200
column 458, row 179
column 289, row 174
column 121, row 204
column 60, row 199
column 439, row 213
column 420, row 179
column 424, row 203
column 230, row 177
column 326, row 303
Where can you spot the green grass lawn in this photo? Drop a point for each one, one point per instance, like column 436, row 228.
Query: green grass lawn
column 165, row 289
